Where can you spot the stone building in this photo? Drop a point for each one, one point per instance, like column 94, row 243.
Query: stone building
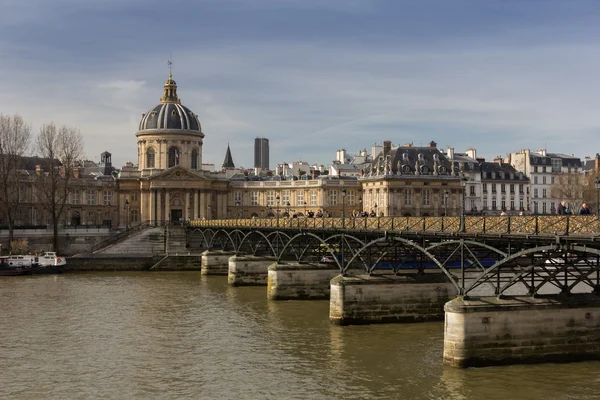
column 411, row 181
column 168, row 183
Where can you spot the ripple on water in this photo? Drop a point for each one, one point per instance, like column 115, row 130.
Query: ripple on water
column 181, row 336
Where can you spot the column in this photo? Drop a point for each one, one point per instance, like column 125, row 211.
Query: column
column 142, row 206
column 195, row 210
column 186, row 210
column 159, row 213
column 167, row 205
column 151, row 216
column 203, row 205
column 122, row 213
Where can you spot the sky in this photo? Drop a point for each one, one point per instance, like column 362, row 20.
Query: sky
column 312, row 76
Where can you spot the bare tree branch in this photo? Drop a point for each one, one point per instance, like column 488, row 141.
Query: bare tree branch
column 15, row 138
column 61, row 149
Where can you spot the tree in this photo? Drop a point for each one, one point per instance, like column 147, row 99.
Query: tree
column 575, row 188
column 61, row 149
column 15, row 138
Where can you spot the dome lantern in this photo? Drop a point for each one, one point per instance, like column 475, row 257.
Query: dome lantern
column 170, row 92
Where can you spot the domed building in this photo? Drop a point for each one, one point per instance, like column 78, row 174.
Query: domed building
column 168, row 184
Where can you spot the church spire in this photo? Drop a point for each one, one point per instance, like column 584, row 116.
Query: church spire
column 228, row 162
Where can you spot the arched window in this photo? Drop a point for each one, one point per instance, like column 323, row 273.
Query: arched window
column 150, row 158
column 194, row 159
column 173, row 157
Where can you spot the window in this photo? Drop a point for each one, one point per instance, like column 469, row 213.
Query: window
column 503, row 188
column 426, row 197
column 134, row 216
column 521, row 188
column 512, row 188
column 544, row 180
column 544, row 194
column 173, row 157
column 254, row 197
column 485, row 203
column 107, row 197
column 150, row 158
column 472, row 204
column 408, row 196
column 75, row 197
column 285, row 197
column 194, row 159
column 134, row 196
column 552, row 180
column 544, row 207
column 535, row 207
column 472, row 190
column 300, row 197
column 91, row 197
column 512, row 204
column 270, row 198
column 485, row 188
column 535, row 193
column 313, row 197
column 333, row 195
column 535, row 180
column 237, row 198
column 493, row 204
column 520, row 204
column 21, row 194
column 493, row 188
column 503, row 204
column 351, row 197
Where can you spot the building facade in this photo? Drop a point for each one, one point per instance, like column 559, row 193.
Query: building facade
column 261, row 153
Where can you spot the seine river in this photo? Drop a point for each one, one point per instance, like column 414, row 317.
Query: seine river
column 183, row 336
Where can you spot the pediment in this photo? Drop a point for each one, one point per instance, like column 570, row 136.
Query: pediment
column 178, row 174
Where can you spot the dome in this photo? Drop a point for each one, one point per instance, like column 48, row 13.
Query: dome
column 170, row 116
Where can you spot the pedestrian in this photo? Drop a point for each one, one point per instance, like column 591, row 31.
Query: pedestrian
column 584, row 210
column 503, row 212
column 562, row 208
column 522, row 212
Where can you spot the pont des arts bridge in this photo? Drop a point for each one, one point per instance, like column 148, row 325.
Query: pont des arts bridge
column 511, row 289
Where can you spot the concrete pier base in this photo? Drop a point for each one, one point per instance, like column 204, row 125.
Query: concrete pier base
column 300, row 281
column 249, row 270
column 215, row 262
column 519, row 330
column 403, row 298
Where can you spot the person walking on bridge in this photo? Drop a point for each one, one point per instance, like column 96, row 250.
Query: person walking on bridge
column 584, row 210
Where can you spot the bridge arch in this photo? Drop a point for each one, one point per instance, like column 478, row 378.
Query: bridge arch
column 406, row 243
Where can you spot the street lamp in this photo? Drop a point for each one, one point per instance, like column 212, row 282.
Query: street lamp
column 445, row 203
column 343, row 208
column 463, row 183
column 127, row 211
column 287, row 210
column 277, row 200
column 360, row 205
column 597, row 183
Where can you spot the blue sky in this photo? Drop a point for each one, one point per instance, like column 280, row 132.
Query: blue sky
column 313, row 76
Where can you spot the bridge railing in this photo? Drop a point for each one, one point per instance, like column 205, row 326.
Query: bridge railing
column 527, row 225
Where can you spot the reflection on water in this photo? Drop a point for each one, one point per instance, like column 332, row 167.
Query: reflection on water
column 183, row 336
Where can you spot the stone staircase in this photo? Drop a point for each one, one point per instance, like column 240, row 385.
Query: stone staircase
column 147, row 243
column 176, row 240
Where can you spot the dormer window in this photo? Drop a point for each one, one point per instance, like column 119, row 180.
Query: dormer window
column 405, row 168
column 405, row 156
column 174, row 113
column 421, row 156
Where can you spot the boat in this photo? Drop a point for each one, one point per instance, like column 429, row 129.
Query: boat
column 47, row 263
column 10, row 266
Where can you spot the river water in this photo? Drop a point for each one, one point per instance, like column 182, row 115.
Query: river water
column 182, row 336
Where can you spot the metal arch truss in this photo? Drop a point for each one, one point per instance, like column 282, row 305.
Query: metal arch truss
column 490, row 266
